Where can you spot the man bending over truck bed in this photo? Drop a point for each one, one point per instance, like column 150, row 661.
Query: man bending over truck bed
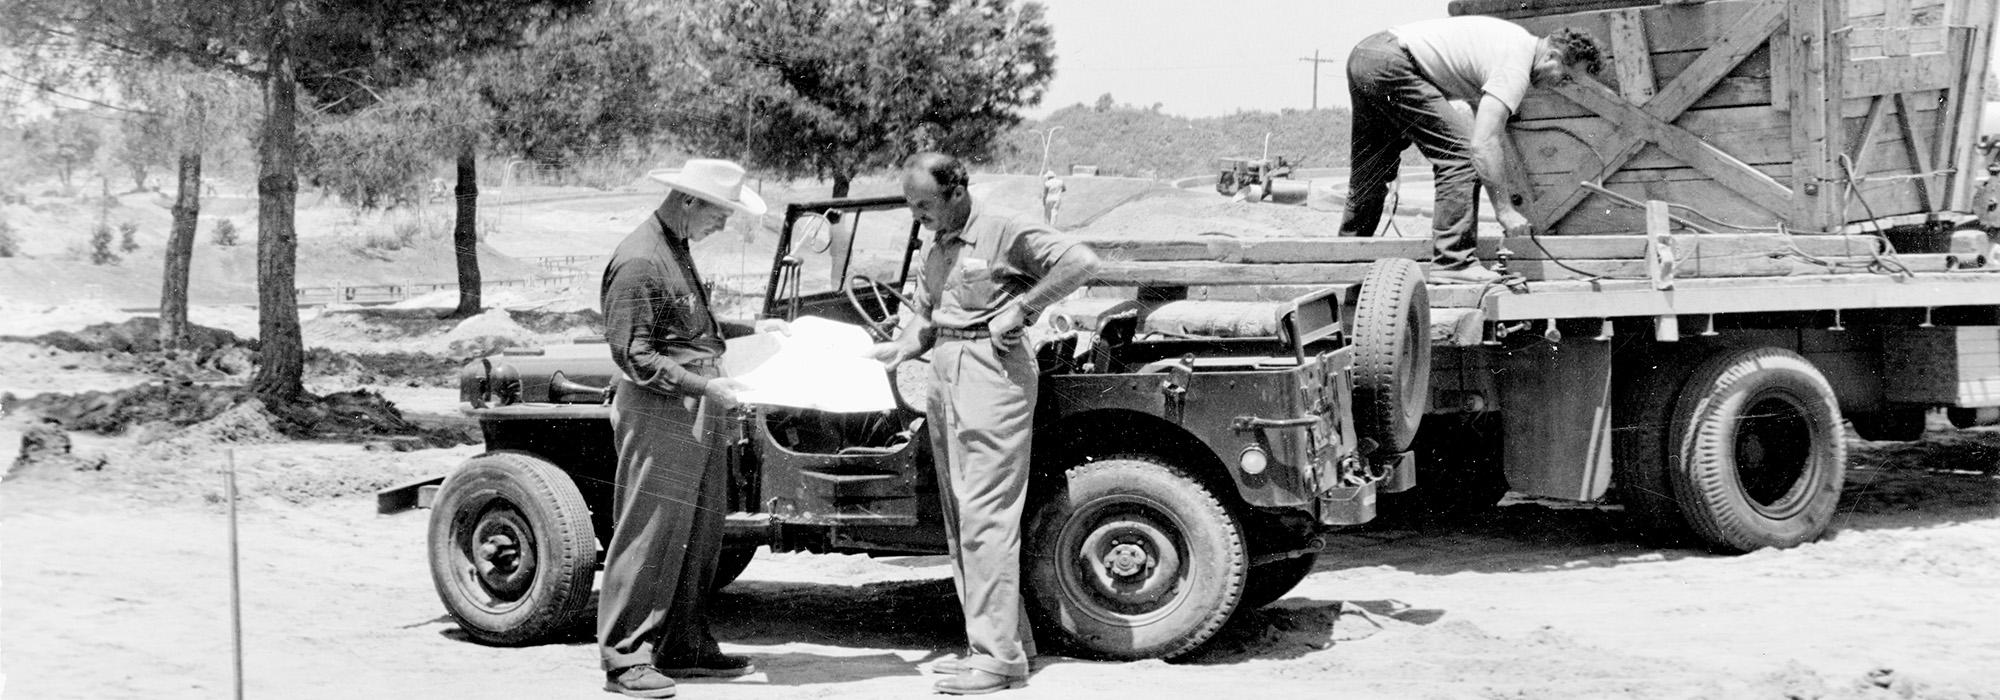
column 1400, row 80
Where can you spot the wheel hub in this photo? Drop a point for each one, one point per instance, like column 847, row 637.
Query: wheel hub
column 502, row 554
column 1128, row 559
column 1129, row 563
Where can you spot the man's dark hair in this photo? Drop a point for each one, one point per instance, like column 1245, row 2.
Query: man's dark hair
column 1576, row 47
column 945, row 170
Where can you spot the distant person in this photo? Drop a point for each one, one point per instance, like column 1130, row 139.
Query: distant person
column 668, row 418
column 1401, row 81
column 1052, row 192
column 987, row 277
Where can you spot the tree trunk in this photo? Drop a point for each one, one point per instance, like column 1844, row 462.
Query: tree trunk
column 180, row 253
column 465, row 233
column 841, row 182
column 281, row 348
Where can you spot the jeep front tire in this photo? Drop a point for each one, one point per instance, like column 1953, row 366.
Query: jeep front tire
column 512, row 550
column 1131, row 559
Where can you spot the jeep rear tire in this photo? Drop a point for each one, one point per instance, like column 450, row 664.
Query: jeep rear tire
column 512, row 551
column 1132, row 559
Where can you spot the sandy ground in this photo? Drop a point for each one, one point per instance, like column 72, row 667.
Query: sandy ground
column 109, row 593
column 115, row 583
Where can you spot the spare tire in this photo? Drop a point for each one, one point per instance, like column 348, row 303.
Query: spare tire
column 1392, row 354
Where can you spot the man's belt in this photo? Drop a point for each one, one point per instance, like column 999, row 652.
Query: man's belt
column 976, row 333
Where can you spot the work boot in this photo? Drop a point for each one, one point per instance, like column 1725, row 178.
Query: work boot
column 639, row 682
column 972, row 681
column 716, row 665
column 1474, row 274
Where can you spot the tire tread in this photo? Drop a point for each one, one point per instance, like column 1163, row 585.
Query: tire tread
column 1141, row 467
column 574, row 545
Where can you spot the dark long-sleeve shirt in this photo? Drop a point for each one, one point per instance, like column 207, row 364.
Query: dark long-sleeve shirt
column 656, row 313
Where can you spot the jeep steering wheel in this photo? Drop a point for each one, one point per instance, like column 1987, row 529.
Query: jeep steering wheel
column 882, row 324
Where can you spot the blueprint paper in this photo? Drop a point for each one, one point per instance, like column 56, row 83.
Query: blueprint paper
column 822, row 365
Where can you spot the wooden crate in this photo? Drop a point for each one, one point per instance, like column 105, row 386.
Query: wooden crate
column 1735, row 109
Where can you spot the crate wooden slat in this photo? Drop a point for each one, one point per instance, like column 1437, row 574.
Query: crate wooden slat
column 1815, row 114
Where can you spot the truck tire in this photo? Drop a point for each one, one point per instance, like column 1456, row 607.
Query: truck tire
column 1896, row 424
column 1758, row 458
column 1645, row 391
column 1269, row 582
column 1132, row 559
column 512, row 550
column 1392, row 354
column 731, row 565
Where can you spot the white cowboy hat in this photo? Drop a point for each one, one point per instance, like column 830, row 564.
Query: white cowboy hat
column 716, row 181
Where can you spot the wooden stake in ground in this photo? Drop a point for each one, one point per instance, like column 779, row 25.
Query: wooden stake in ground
column 235, row 578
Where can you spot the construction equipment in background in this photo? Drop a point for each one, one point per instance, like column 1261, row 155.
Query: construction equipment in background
column 1260, row 180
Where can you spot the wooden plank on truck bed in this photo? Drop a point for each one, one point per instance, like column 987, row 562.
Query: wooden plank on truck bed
column 1335, row 249
column 1619, row 298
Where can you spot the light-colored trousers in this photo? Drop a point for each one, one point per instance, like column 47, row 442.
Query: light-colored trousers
column 981, row 410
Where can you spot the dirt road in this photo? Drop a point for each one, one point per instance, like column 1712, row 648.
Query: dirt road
column 111, row 593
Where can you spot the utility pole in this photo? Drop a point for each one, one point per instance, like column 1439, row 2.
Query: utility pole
column 1316, row 60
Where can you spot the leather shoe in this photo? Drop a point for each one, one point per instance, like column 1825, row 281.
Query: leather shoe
column 639, row 682
column 948, row 666
column 972, row 681
column 717, row 665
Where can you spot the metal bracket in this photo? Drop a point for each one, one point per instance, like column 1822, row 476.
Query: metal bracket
column 1174, row 389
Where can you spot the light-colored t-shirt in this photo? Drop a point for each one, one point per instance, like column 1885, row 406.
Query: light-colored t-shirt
column 1466, row 57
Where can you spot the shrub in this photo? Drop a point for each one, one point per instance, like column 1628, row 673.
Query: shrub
column 404, row 232
column 100, row 246
column 125, row 232
column 9, row 245
column 225, row 233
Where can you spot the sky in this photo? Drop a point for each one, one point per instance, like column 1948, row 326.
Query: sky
column 1203, row 58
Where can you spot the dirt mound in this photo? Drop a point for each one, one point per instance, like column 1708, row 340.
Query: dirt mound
column 387, row 331
column 113, row 412
column 1796, row 680
column 137, row 334
column 358, row 415
column 46, row 449
column 413, row 369
column 246, row 423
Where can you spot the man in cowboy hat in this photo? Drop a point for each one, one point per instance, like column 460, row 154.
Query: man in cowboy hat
column 668, row 418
